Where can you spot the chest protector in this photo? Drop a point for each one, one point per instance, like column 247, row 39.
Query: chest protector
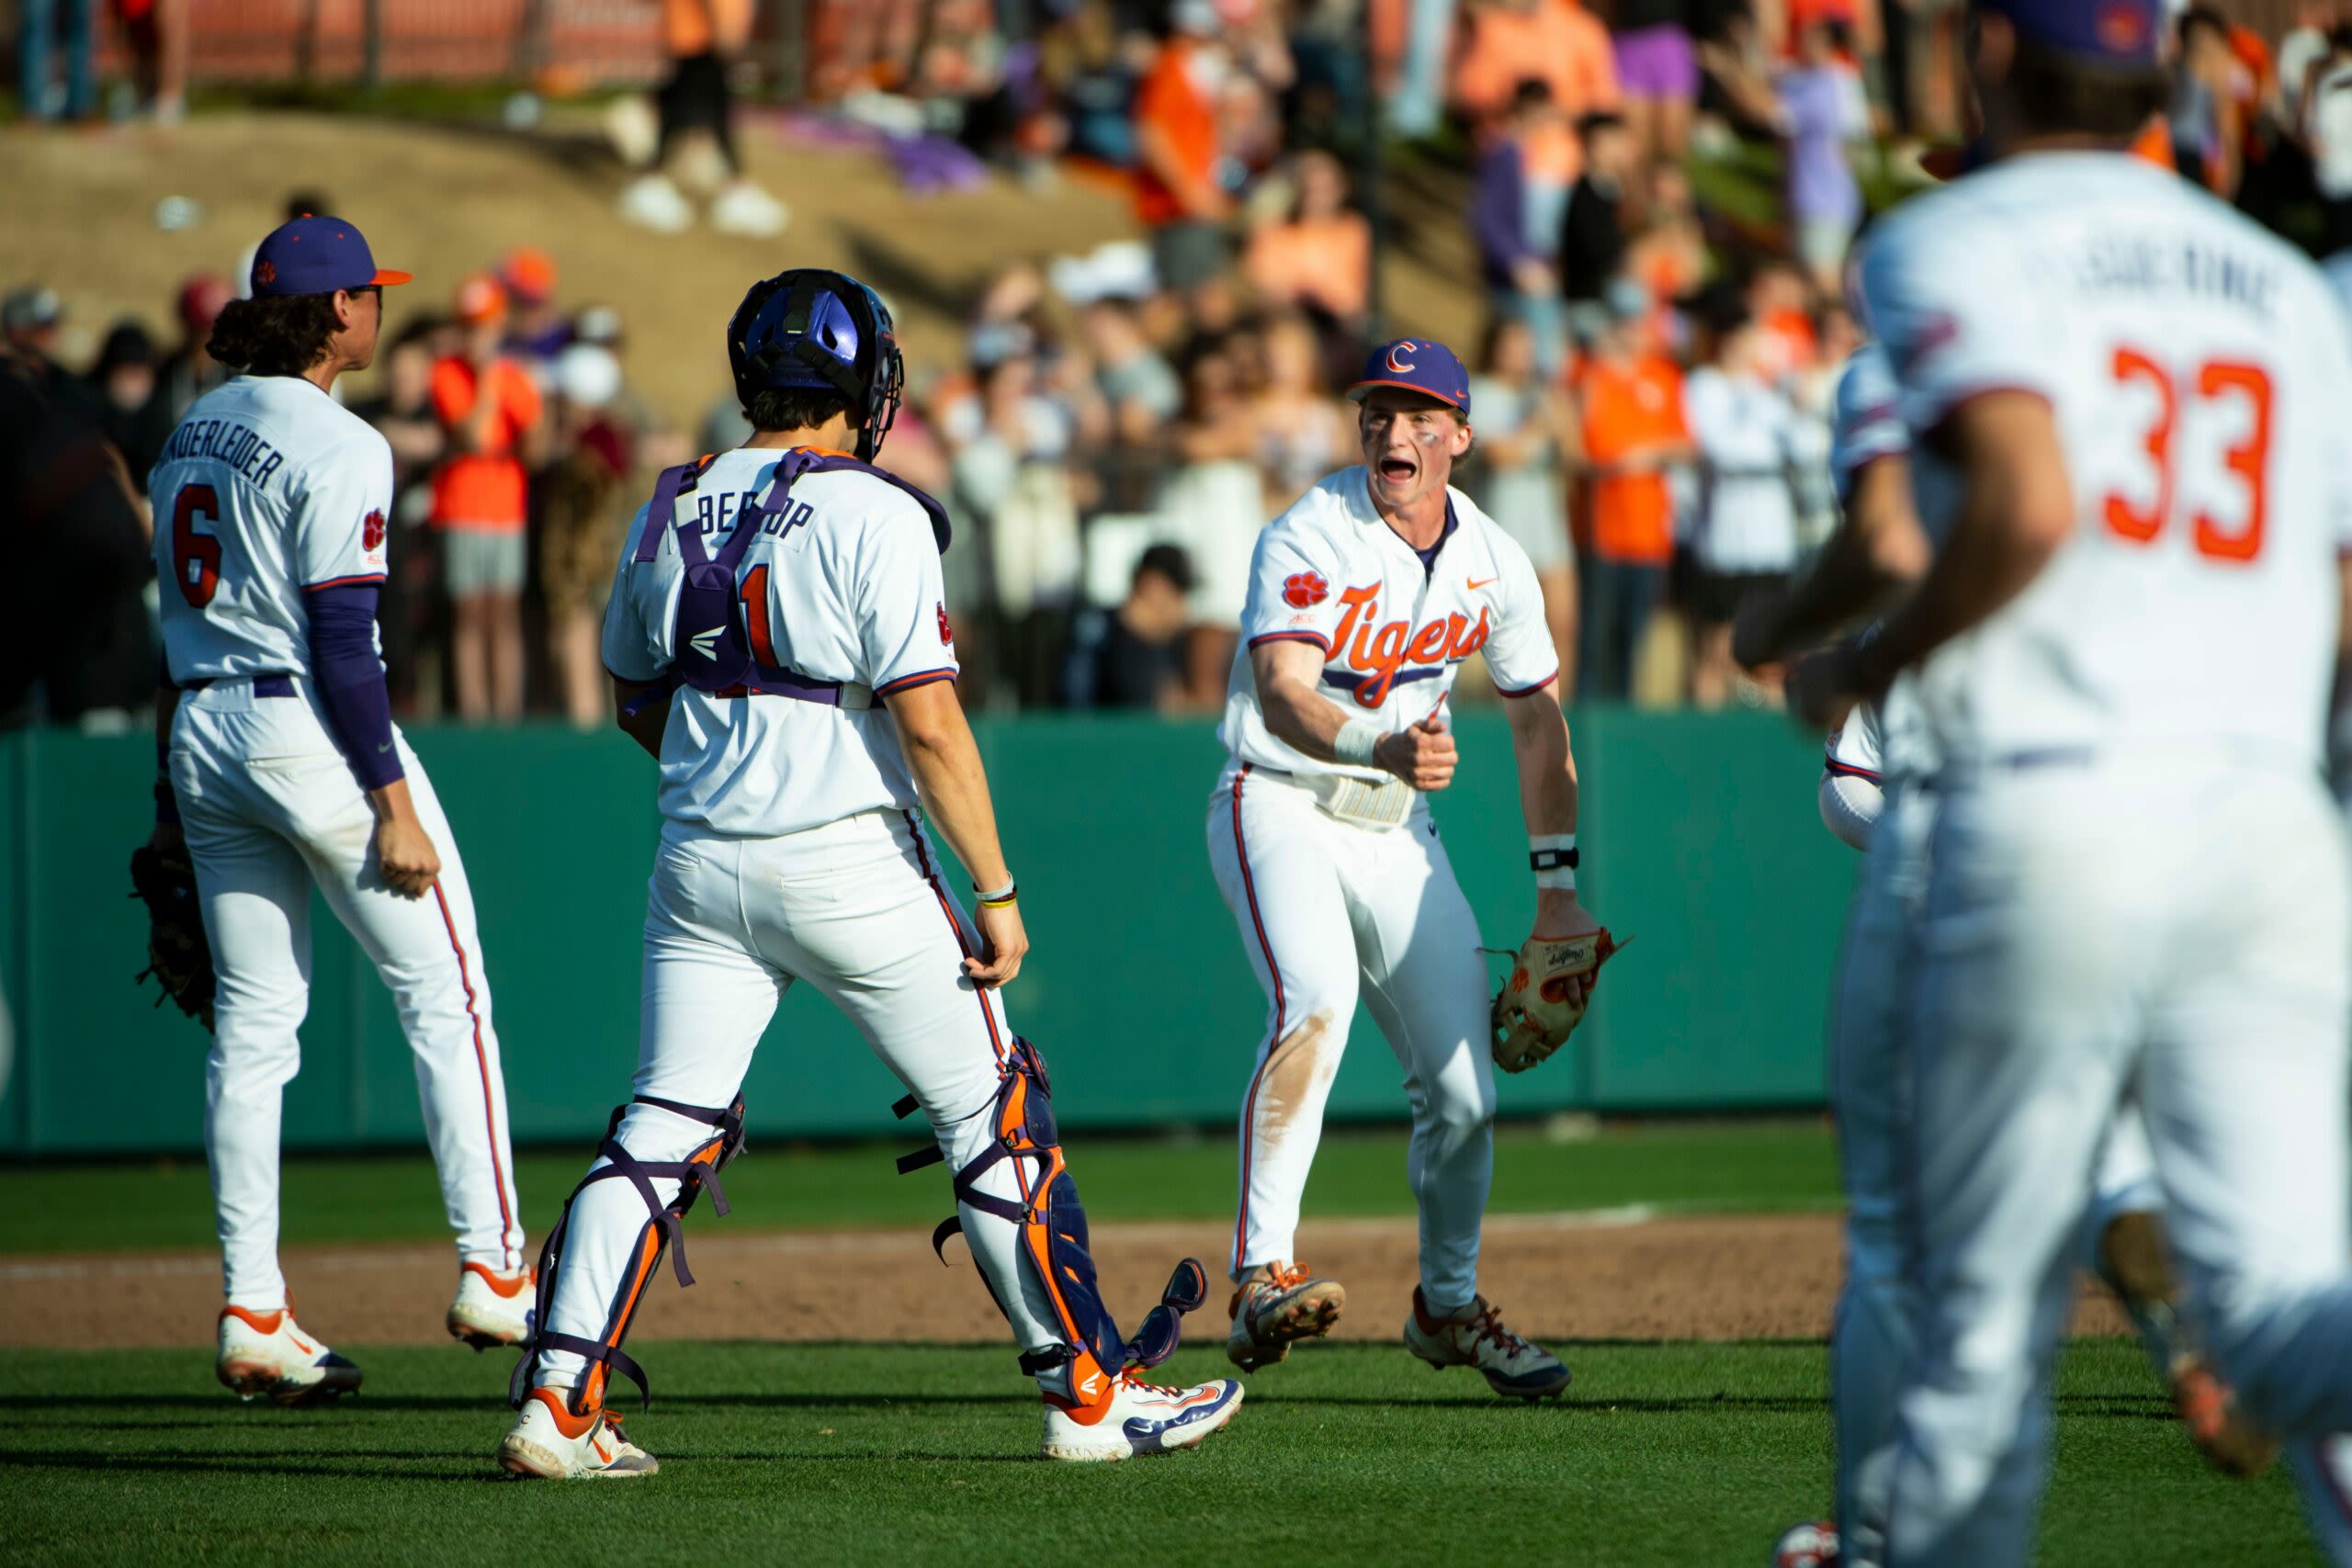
column 715, row 651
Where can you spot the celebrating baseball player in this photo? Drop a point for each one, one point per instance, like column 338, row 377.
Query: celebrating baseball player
column 778, row 639
column 1870, row 799
column 280, row 767
column 1365, row 598
column 2126, row 409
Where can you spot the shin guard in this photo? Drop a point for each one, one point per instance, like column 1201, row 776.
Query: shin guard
column 662, row 1233
column 1054, row 1240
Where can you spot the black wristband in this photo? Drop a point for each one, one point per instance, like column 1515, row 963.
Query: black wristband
column 1552, row 860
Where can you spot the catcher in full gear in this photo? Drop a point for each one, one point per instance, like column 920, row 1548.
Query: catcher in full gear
column 778, row 639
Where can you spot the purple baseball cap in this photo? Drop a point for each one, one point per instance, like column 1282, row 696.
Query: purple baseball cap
column 2112, row 32
column 1417, row 365
column 316, row 256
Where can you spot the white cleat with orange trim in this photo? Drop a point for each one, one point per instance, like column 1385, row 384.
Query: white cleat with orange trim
column 549, row 1443
column 1137, row 1417
column 492, row 1308
column 269, row 1353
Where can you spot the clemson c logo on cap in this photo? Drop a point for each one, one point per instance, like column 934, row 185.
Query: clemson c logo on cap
column 2123, row 27
column 1396, row 360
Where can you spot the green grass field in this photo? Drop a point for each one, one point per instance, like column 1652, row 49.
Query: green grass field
column 1692, row 1456
column 1688, row 1456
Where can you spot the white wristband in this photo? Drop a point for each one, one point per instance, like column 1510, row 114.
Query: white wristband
column 1554, row 858
column 1355, row 740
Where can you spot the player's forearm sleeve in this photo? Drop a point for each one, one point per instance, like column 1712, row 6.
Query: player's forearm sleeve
column 350, row 680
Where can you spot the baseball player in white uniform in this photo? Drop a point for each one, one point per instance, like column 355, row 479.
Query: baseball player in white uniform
column 1365, row 598
column 282, row 769
column 779, row 640
column 1870, row 785
column 2133, row 884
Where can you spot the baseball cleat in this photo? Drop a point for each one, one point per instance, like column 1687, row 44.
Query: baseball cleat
column 2134, row 1264
column 1514, row 1368
column 1138, row 1417
column 1807, row 1546
column 549, row 1443
column 269, row 1353
column 1275, row 1305
column 492, row 1308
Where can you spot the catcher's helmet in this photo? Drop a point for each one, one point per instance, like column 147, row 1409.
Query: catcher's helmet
column 810, row 327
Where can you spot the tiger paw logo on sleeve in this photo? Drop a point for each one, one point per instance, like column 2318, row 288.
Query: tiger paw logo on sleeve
column 1304, row 590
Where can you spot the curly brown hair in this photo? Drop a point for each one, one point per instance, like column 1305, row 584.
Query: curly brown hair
column 281, row 337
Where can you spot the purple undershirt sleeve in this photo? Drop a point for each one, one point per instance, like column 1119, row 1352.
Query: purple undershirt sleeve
column 350, row 680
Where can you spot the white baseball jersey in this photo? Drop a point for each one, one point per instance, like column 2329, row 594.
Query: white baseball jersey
column 1393, row 631
column 1867, row 421
column 848, row 590
column 267, row 487
column 2199, row 404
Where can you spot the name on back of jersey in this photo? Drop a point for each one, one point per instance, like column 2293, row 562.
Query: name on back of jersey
column 226, row 441
column 716, row 513
column 1381, row 653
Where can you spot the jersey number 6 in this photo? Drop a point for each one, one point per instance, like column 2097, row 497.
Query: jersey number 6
column 195, row 556
column 2249, row 460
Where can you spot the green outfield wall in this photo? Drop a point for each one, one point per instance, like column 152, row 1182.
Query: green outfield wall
column 1699, row 840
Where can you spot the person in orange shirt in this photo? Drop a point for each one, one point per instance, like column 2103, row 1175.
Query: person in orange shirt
column 490, row 411
column 1178, row 196
column 1320, row 257
column 1557, row 40
column 1633, row 431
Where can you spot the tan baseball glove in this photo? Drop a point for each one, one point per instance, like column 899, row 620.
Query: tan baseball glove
column 1540, row 1006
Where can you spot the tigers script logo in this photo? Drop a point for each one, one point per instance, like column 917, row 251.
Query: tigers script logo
column 1381, row 654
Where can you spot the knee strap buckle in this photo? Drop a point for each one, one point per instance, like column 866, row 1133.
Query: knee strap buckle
column 697, row 1171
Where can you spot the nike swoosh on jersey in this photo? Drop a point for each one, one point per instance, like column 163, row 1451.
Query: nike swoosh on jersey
column 1488, row 583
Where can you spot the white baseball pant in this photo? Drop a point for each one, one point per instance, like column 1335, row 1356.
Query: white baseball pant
column 269, row 807
column 1330, row 911
column 1874, row 1329
column 2172, row 926
column 857, row 909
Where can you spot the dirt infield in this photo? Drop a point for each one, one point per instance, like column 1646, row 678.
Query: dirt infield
column 1601, row 1275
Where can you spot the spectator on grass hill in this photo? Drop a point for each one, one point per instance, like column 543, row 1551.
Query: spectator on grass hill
column 32, row 319
column 490, row 413
column 189, row 371
column 1634, row 432
column 583, row 512
column 1818, row 106
column 1744, row 541
column 122, row 389
column 1593, row 232
column 697, row 109
column 410, row 609
column 1657, row 71
column 41, row 98
column 1302, row 433
column 537, row 331
column 1212, row 505
column 1556, row 39
column 1320, row 257
column 1132, row 657
column 1518, row 210
column 1179, row 195
column 1524, row 431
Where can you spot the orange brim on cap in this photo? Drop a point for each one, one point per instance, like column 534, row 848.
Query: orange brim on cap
column 385, row 275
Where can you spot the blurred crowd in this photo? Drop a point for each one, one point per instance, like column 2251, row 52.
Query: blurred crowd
column 1657, row 199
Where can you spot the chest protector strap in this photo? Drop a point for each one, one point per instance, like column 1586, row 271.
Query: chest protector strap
column 715, row 651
